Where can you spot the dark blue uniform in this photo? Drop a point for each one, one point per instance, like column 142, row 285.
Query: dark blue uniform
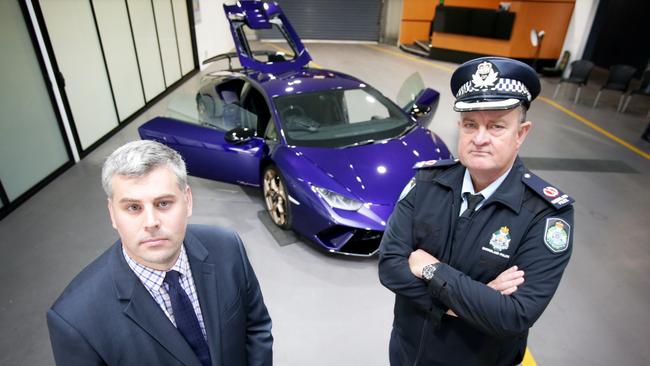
column 526, row 222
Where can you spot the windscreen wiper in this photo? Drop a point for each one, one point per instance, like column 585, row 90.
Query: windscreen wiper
column 360, row 143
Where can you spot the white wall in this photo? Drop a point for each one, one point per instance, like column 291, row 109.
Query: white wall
column 392, row 14
column 580, row 27
column 212, row 30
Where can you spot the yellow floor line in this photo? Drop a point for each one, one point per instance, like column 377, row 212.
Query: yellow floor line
column 528, row 359
column 597, row 128
column 576, row 116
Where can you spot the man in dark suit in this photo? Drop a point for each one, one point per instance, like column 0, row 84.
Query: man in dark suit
column 166, row 293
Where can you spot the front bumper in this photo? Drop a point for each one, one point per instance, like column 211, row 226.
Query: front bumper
column 355, row 233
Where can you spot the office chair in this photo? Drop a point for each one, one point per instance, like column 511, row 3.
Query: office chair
column 580, row 72
column 644, row 89
column 618, row 80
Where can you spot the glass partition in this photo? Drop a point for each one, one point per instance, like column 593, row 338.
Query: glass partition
column 114, row 29
column 167, row 39
column 31, row 142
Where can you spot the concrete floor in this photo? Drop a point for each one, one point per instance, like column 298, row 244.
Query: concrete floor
column 331, row 310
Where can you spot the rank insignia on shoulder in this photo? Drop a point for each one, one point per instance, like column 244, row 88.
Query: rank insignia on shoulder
column 436, row 163
column 557, row 234
column 548, row 192
column 409, row 186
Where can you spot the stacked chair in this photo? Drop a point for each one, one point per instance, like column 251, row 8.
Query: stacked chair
column 644, row 89
column 580, row 72
column 618, row 80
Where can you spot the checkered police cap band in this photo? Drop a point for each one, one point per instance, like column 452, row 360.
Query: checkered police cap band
column 504, row 85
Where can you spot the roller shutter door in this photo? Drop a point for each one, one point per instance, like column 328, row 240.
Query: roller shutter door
column 345, row 20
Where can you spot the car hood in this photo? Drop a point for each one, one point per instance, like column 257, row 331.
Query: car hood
column 374, row 173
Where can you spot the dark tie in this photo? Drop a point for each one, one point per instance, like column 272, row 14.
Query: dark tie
column 186, row 321
column 464, row 219
column 472, row 201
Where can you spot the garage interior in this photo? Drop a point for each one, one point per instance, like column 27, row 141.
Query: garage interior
column 328, row 309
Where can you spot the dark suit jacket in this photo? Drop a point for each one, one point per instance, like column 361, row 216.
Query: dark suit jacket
column 107, row 317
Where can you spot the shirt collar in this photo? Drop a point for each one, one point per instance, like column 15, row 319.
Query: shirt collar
column 153, row 279
column 468, row 186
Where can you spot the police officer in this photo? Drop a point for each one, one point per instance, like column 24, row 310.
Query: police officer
column 476, row 247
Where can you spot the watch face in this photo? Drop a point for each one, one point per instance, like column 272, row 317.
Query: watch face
column 428, row 271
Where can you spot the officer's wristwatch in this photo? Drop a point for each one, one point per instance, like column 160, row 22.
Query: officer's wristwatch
column 429, row 270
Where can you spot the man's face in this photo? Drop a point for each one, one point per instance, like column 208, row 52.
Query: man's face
column 488, row 141
column 150, row 214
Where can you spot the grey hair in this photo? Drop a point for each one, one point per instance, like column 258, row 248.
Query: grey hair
column 138, row 158
column 522, row 116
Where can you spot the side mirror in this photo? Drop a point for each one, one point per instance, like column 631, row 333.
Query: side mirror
column 239, row 135
column 424, row 106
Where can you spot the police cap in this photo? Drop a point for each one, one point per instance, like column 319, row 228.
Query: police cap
column 493, row 83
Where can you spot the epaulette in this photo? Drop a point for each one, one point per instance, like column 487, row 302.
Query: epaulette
column 436, row 163
column 548, row 192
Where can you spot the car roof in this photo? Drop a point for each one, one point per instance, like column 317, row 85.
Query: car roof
column 306, row 80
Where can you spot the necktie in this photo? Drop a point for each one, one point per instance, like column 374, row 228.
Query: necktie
column 472, row 201
column 186, row 321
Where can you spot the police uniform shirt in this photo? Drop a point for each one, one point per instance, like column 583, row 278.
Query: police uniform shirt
column 468, row 187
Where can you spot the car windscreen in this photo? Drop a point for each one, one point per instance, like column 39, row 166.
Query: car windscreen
column 340, row 117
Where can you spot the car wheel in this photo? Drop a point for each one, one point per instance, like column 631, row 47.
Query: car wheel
column 276, row 197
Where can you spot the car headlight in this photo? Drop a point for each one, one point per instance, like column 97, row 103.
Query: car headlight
column 336, row 200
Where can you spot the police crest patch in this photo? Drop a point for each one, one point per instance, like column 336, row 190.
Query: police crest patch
column 500, row 239
column 557, row 234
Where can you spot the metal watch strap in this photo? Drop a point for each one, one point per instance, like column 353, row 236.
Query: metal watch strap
column 428, row 271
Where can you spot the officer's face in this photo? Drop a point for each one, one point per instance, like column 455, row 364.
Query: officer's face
column 488, row 141
column 150, row 214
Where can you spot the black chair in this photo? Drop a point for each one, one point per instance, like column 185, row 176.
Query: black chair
column 644, row 89
column 580, row 71
column 559, row 68
column 618, row 80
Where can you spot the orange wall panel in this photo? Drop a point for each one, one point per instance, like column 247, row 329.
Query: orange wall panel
column 412, row 31
column 418, row 9
column 552, row 16
column 424, row 10
column 471, row 44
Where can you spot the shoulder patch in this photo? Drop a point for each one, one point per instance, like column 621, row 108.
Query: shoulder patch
column 434, row 163
column 557, row 234
column 409, row 186
column 545, row 190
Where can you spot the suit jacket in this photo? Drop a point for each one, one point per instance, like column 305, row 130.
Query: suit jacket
column 107, row 317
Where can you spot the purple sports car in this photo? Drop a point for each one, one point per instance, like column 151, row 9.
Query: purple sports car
column 331, row 153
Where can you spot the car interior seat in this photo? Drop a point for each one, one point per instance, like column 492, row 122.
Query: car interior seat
column 231, row 109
